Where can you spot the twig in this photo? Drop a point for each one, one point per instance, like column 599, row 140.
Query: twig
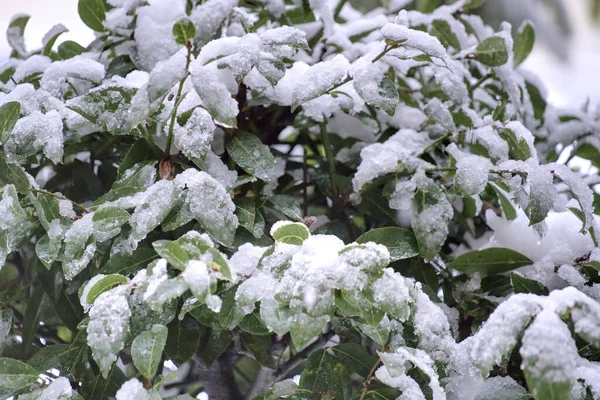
column 60, row 197
column 297, row 359
column 178, row 99
column 367, row 380
column 330, row 158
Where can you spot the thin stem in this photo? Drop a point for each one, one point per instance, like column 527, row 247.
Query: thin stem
column 61, row 197
column 480, row 82
column 330, row 158
column 297, row 359
column 178, row 101
column 367, row 380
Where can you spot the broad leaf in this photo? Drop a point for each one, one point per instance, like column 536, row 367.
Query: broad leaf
column 252, row 156
column 9, row 115
column 184, row 31
column 14, row 376
column 400, row 242
column 489, row 261
column 492, row 52
column 524, row 42
column 147, row 348
column 103, row 285
column 92, row 13
column 290, row 232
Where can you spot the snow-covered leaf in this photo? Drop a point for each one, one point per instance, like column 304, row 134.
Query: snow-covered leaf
column 50, row 38
column 290, row 232
column 14, row 376
column 104, row 284
column 47, row 250
column 320, row 79
column 15, row 33
column 431, row 213
column 9, row 115
column 108, row 221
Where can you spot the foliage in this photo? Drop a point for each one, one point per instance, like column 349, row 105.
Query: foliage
column 292, row 200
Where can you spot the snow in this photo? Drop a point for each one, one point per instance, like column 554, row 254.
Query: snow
column 208, row 17
column 195, row 138
column 65, row 208
column 132, row 389
column 166, row 73
column 35, row 132
column 214, row 93
column 56, row 77
column 33, row 65
column 108, row 327
column 419, row 40
column 76, row 254
column 320, row 78
column 472, row 174
column 196, row 275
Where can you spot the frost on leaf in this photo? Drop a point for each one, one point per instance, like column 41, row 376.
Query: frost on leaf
column 391, row 294
column 210, row 204
column 60, row 75
column 108, row 327
column 78, row 252
column 419, row 40
column 158, row 201
column 195, row 137
column 197, row 277
column 549, row 357
column 134, row 389
column 37, row 132
column 214, row 94
column 166, row 74
column 372, row 85
column 472, row 174
column 500, row 332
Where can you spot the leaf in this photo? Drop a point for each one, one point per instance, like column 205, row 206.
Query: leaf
column 290, row 232
column 108, row 221
column 260, row 347
column 247, row 151
column 355, row 357
column 509, row 211
column 31, row 319
column 48, row 41
column 173, row 253
column 9, row 115
column 248, row 217
column 92, row 13
column 287, row 205
column 184, row 31
column 147, row 348
column 69, row 49
column 523, row 42
column 427, row 6
column 128, row 263
column 431, row 214
column 47, row 250
column 105, row 284
column 183, row 339
column 489, row 261
column 272, row 69
column 253, row 324
column 524, row 285
column 324, row 374
column 473, row 4
column 215, row 344
column 13, row 174
column 48, row 357
column 14, row 376
column 518, row 148
column 15, row 34
column 401, row 243
column 492, row 52
column 443, row 31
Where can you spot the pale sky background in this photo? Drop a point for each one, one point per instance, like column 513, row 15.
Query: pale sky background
column 569, row 84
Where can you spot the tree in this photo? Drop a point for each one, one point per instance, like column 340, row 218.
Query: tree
column 292, row 200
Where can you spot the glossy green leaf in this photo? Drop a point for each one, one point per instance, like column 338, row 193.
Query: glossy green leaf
column 400, row 242
column 492, row 52
column 56, row 31
column 108, row 222
column 247, row 151
column 105, row 284
column 183, row 31
column 443, row 31
column 147, row 348
column 290, row 233
column 47, row 250
column 524, row 42
column 524, row 285
column 518, row 148
column 16, row 32
column 14, row 376
column 126, row 263
column 9, row 115
column 183, row 339
column 13, row 174
column 489, row 261
column 92, row 13
column 69, row 49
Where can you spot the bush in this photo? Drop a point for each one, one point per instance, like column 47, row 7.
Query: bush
column 292, row 200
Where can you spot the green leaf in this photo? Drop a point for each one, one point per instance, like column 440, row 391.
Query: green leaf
column 253, row 324
column 184, row 31
column 524, row 285
column 247, row 151
column 147, row 348
column 215, row 344
column 518, row 148
column 14, row 376
column 52, row 356
column 272, row 70
column 120, row 66
column 473, row 4
column 173, row 253
column 304, row 328
column 427, row 6
column 492, row 52
column 13, row 174
column 248, row 217
column 15, row 34
column 401, row 243
column 108, row 221
column 69, row 49
column 324, row 374
column 443, row 31
column 9, row 115
column 260, row 347
column 509, row 211
column 489, row 261
column 105, row 284
column 129, row 263
column 287, row 205
column 31, row 318
column 47, row 250
column 524, row 42
column 431, row 234
column 355, row 357
column 183, row 340
column 56, row 31
column 290, row 232
column 92, row 13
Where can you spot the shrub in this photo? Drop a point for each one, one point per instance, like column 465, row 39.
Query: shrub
column 292, row 200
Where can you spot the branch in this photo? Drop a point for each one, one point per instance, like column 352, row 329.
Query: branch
column 178, row 99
